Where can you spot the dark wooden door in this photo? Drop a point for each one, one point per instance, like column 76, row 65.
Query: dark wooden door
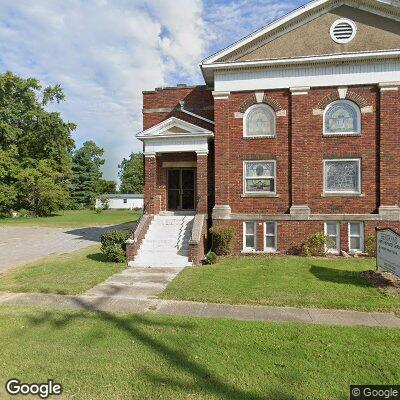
column 181, row 189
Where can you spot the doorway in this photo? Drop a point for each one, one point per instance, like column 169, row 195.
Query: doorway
column 181, row 189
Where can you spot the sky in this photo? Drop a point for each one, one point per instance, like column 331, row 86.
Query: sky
column 104, row 53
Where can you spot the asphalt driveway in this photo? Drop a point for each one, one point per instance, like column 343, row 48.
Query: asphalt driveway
column 20, row 245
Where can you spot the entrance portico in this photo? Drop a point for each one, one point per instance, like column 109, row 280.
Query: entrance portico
column 176, row 166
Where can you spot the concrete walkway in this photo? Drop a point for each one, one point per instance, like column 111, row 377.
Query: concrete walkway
column 185, row 308
column 136, row 283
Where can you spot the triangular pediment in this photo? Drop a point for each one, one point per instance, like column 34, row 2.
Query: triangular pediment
column 173, row 127
column 305, row 32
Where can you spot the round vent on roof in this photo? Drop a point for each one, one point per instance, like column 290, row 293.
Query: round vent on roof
column 343, row 31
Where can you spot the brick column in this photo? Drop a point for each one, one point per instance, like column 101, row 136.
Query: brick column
column 389, row 148
column 299, row 155
column 150, row 178
column 221, row 148
column 202, row 182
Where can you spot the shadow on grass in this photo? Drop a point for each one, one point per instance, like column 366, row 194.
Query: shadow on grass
column 334, row 275
column 134, row 326
column 98, row 257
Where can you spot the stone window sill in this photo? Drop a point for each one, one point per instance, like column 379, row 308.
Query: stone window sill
column 340, row 135
column 258, row 137
column 343, row 195
column 244, row 195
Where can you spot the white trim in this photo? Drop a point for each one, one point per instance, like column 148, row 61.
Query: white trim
column 310, row 75
column 246, row 115
column 182, row 104
column 326, row 58
column 270, row 249
column 361, row 237
column 271, row 177
column 358, row 112
column 158, row 131
column 308, row 15
column 343, row 21
column 218, row 95
column 342, row 193
column 249, row 249
column 337, row 250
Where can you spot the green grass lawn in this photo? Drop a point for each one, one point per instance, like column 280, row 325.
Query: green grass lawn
column 107, row 356
column 284, row 281
column 76, row 219
column 71, row 273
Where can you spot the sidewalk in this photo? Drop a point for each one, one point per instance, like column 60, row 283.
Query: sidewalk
column 209, row 310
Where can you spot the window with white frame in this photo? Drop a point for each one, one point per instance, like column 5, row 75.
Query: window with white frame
column 249, row 236
column 332, row 231
column 342, row 117
column 342, row 176
column 270, row 231
column 260, row 177
column 125, row 201
column 356, row 237
column 259, row 120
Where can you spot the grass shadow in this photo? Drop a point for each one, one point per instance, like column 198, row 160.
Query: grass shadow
column 98, row 257
column 135, row 327
column 340, row 276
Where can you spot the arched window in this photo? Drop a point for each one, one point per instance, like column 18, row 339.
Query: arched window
column 342, row 117
column 259, row 120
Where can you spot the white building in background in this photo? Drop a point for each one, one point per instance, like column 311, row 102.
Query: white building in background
column 121, row 201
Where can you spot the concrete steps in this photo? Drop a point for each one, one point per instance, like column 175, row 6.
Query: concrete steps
column 166, row 243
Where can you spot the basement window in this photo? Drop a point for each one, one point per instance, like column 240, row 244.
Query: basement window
column 343, row 31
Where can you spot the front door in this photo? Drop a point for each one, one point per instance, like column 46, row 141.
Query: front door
column 181, row 189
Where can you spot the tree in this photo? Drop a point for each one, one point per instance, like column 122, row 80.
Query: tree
column 40, row 189
column 31, row 137
column 106, row 187
column 131, row 174
column 87, row 162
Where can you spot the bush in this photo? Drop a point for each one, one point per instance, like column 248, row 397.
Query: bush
column 113, row 244
column 105, row 202
column 98, row 210
column 370, row 246
column 211, row 258
column 22, row 213
column 222, row 240
column 315, row 245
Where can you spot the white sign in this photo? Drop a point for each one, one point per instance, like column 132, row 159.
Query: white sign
column 388, row 250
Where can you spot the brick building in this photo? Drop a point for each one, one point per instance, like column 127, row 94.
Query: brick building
column 295, row 131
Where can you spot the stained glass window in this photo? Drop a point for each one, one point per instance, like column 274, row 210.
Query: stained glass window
column 260, row 121
column 342, row 117
column 342, row 176
column 259, row 176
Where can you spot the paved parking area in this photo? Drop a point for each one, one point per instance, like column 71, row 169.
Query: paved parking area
column 21, row 245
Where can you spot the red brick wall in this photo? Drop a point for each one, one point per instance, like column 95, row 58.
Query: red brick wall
column 198, row 99
column 390, row 147
column 300, row 148
column 292, row 234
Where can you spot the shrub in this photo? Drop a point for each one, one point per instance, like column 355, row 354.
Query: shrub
column 370, row 246
column 113, row 244
column 222, row 240
column 22, row 213
column 211, row 258
column 105, row 202
column 98, row 210
column 315, row 245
